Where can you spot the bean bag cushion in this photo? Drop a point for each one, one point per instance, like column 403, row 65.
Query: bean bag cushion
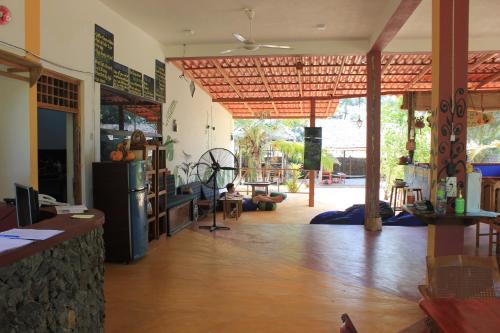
column 275, row 194
column 267, row 206
column 405, row 220
column 354, row 215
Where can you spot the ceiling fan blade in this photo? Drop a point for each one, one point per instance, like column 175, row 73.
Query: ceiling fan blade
column 228, row 168
column 270, row 46
column 239, row 37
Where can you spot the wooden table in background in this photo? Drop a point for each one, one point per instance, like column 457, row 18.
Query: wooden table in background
column 452, row 315
column 258, row 184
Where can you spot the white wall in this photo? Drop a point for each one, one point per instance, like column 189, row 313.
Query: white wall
column 14, row 146
column 67, row 38
column 193, row 114
column 13, row 32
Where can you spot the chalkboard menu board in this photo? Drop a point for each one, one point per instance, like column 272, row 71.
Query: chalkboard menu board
column 103, row 56
column 160, row 81
column 120, row 76
column 312, row 148
column 149, row 86
column 135, row 82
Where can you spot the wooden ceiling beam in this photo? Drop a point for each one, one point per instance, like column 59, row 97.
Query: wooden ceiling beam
column 387, row 64
column 292, row 66
column 490, row 79
column 480, row 61
column 266, row 84
column 190, row 76
column 229, row 81
column 394, row 21
column 334, row 90
column 419, row 76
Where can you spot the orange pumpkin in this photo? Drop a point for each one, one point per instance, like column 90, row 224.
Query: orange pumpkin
column 116, row 155
column 130, row 156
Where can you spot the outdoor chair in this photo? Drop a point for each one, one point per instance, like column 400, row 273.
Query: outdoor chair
column 461, row 277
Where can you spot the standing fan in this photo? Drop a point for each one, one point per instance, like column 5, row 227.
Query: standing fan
column 216, row 168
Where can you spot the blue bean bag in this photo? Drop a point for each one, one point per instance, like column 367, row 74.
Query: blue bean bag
column 404, row 219
column 354, row 215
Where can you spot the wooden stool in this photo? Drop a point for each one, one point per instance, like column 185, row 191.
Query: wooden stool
column 417, row 193
column 396, row 192
column 228, row 204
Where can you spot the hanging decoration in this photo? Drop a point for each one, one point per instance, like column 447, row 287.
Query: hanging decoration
column 419, row 123
column 5, row 15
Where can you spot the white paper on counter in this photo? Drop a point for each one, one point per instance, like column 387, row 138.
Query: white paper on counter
column 7, row 244
column 30, row 234
column 78, row 209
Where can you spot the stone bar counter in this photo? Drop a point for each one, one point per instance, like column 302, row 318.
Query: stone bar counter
column 55, row 285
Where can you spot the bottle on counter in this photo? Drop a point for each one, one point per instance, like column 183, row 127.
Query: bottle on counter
column 441, row 200
column 459, row 203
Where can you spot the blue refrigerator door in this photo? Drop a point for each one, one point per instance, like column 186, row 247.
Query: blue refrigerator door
column 138, row 223
column 136, row 175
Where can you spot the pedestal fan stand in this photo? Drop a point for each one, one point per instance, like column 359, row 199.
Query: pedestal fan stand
column 214, row 225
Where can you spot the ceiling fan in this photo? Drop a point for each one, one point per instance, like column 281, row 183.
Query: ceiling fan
column 250, row 44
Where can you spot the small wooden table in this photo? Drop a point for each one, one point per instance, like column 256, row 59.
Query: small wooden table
column 453, row 315
column 228, row 203
column 265, row 185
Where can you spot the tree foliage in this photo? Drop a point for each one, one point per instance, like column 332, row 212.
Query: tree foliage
column 394, row 126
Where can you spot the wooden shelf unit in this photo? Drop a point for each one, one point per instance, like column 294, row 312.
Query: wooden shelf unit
column 161, row 175
column 149, row 153
column 156, row 175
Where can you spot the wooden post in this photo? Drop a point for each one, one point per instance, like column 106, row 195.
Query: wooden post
column 32, row 44
column 411, row 127
column 312, row 173
column 450, row 31
column 373, row 222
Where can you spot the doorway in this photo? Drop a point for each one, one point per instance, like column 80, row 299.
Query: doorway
column 59, row 172
column 55, row 154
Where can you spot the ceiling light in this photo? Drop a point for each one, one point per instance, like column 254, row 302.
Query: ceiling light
column 188, row 32
column 321, row 27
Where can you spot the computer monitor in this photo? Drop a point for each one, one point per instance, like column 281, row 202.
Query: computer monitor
column 26, row 205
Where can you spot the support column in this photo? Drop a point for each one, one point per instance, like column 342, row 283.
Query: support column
column 373, row 222
column 312, row 173
column 32, row 44
column 450, row 31
column 410, row 143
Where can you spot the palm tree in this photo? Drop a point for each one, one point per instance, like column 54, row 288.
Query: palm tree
column 251, row 144
column 294, row 152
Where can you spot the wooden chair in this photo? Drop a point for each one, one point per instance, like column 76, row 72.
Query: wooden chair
column 490, row 200
column 461, row 277
column 347, row 325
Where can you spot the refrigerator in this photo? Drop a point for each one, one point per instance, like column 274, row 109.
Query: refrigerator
column 120, row 191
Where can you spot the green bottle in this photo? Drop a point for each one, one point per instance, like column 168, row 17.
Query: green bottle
column 459, row 203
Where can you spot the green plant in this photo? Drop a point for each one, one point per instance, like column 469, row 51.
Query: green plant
column 294, row 152
column 187, row 168
column 293, row 183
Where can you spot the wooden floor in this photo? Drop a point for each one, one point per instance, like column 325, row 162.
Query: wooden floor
column 272, row 278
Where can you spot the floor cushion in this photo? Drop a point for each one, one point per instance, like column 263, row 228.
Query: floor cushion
column 267, row 206
column 275, row 194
